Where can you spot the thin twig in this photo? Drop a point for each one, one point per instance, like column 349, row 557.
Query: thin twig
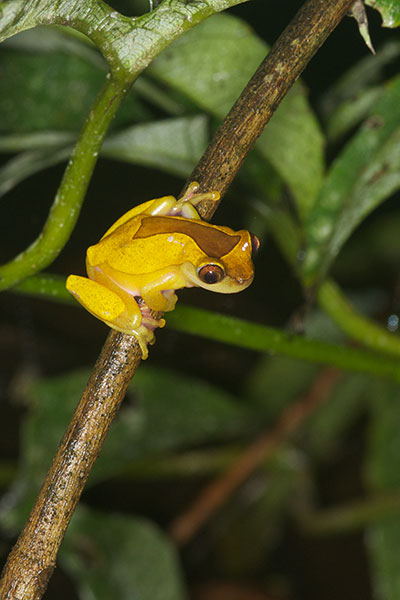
column 32, row 560
column 214, row 495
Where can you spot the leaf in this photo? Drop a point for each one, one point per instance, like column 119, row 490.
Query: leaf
column 211, row 64
column 293, row 143
column 383, row 541
column 115, row 556
column 54, row 38
column 382, row 473
column 26, row 164
column 381, row 470
column 389, row 10
column 255, row 515
column 171, row 411
column 125, row 42
column 277, row 381
column 54, row 80
column 150, row 144
column 52, row 404
column 349, row 113
column 365, row 173
column 45, row 91
column 365, row 74
column 324, row 432
column 41, row 140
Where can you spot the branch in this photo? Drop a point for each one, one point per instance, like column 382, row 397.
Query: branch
column 32, row 560
column 259, row 100
column 219, row 491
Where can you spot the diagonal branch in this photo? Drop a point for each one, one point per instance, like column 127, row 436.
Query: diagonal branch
column 32, row 559
column 216, row 493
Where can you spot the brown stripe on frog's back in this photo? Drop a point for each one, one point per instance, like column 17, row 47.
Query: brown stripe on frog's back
column 211, row 240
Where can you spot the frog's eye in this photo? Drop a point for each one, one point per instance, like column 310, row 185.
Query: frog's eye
column 255, row 244
column 211, row 274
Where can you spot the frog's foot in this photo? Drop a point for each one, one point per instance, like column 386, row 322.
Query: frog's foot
column 149, row 323
column 107, row 306
column 191, row 198
column 148, row 320
column 184, row 207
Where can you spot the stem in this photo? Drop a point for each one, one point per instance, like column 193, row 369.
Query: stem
column 259, row 337
column 242, row 333
column 371, row 335
column 68, row 201
column 46, row 286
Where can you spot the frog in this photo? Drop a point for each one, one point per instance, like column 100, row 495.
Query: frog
column 154, row 249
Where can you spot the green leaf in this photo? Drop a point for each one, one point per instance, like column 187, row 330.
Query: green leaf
column 277, row 381
column 45, row 91
column 211, row 64
column 381, row 469
column 49, row 81
column 294, row 144
column 170, row 411
column 115, row 556
column 253, row 519
column 26, row 164
column 150, row 144
column 56, row 39
column 366, row 75
column 382, row 473
column 365, row 173
column 389, row 10
column 52, row 404
column 383, row 542
column 351, row 112
column 126, row 43
column 41, row 140
column 323, row 433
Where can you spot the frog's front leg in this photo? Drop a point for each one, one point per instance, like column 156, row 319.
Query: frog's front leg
column 160, row 293
column 109, row 307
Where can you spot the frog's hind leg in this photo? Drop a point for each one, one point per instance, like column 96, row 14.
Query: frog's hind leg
column 168, row 206
column 184, row 207
column 102, row 302
column 107, row 306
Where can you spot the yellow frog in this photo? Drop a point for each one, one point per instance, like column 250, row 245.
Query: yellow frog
column 151, row 251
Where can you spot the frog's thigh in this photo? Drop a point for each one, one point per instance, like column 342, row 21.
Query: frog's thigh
column 161, row 206
column 96, row 298
column 187, row 210
column 169, row 206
